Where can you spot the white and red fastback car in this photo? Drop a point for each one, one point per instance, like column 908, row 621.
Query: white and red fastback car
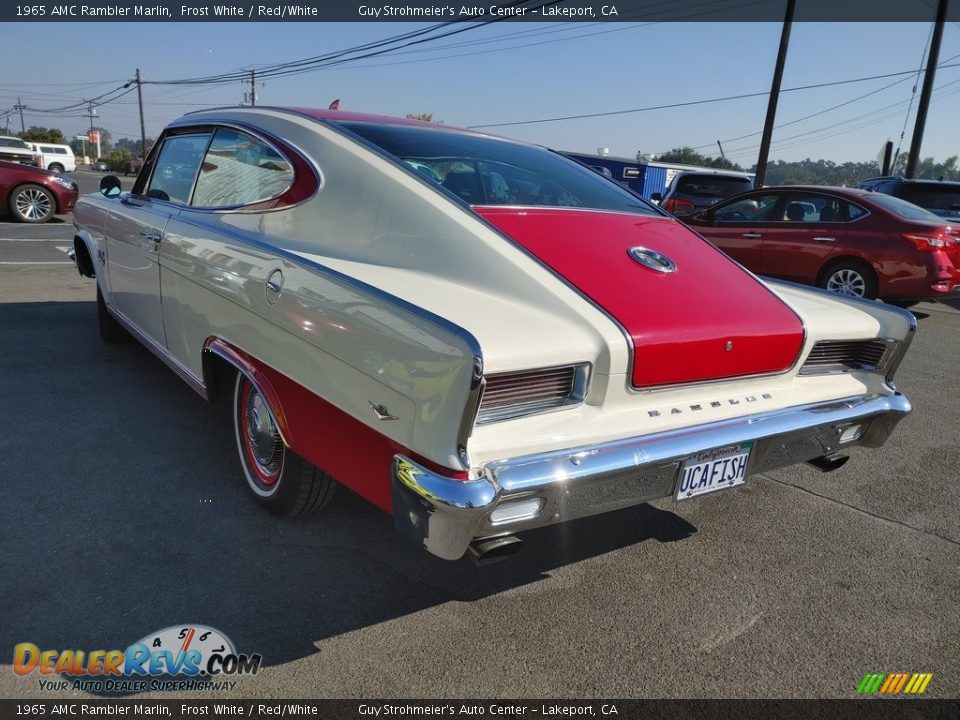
column 477, row 335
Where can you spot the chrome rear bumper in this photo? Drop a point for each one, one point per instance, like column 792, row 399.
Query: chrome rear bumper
column 445, row 515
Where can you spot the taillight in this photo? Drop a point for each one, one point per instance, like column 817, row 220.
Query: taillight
column 929, row 243
column 678, row 206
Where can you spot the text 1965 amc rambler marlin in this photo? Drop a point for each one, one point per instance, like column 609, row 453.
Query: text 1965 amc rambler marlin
column 477, row 335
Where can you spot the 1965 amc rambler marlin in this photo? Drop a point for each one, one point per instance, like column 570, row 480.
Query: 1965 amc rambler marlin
column 477, row 335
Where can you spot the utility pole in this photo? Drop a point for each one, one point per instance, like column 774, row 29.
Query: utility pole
column 143, row 127
column 91, row 113
column 23, row 128
column 253, row 87
column 932, row 59
column 774, row 94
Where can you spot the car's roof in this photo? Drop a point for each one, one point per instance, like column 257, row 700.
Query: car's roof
column 832, row 189
column 328, row 115
column 901, row 179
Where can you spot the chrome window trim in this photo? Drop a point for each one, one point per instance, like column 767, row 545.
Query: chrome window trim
column 215, row 124
column 794, row 223
column 153, row 167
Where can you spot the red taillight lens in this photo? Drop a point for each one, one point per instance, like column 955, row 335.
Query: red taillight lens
column 678, row 206
column 929, row 243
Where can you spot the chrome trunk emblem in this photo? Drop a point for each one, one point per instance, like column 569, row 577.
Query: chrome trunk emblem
column 652, row 259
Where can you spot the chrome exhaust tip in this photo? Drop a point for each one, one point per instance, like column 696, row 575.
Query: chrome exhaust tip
column 829, row 463
column 491, row 550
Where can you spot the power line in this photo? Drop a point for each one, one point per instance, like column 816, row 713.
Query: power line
column 699, row 102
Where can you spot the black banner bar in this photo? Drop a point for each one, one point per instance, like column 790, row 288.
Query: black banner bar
column 857, row 709
column 434, row 11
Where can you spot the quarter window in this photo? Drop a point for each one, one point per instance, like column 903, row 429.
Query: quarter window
column 176, row 167
column 239, row 170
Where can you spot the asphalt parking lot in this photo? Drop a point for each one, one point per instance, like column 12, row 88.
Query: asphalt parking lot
column 125, row 513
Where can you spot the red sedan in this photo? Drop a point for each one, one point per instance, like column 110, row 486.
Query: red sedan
column 850, row 241
column 35, row 195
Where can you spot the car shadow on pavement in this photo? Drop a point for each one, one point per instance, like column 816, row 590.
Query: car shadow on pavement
column 125, row 513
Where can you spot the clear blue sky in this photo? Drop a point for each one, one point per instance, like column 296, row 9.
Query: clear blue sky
column 565, row 69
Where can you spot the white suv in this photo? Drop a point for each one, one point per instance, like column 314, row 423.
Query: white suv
column 56, row 158
column 16, row 150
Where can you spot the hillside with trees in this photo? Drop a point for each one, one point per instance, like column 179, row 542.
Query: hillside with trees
column 820, row 172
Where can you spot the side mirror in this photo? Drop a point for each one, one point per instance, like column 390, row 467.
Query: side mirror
column 656, row 197
column 110, row 186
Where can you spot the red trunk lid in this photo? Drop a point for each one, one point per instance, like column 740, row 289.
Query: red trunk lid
column 709, row 319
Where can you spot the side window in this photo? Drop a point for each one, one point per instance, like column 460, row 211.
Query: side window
column 811, row 208
column 239, row 169
column 176, row 167
column 757, row 208
column 886, row 187
column 854, row 211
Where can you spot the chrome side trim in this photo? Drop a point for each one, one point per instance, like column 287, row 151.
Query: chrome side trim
column 444, row 515
column 195, row 383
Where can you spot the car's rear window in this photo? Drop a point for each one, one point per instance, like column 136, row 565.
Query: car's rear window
column 904, row 209
column 712, row 186
column 935, row 197
column 483, row 170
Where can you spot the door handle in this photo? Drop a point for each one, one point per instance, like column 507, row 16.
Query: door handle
column 273, row 286
column 824, row 238
column 752, row 235
column 154, row 236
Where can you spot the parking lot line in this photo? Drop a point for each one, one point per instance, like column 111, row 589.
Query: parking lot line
column 35, row 262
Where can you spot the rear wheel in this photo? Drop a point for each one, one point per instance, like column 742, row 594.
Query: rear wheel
column 850, row 277
column 110, row 329
column 280, row 480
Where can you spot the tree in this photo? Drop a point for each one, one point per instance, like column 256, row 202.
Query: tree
column 689, row 156
column 133, row 146
column 44, row 135
column 426, row 117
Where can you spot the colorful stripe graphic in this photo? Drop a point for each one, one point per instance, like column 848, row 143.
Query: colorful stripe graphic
column 894, row 683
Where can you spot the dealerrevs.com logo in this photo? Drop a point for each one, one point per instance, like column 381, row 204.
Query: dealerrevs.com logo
column 180, row 657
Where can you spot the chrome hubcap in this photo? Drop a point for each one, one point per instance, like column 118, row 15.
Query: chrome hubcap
column 33, row 204
column 261, row 430
column 847, row 282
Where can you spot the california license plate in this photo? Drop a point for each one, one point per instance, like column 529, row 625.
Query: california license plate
column 713, row 470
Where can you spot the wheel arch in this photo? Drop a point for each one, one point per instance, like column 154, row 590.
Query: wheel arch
column 220, row 358
column 83, row 258
column 833, row 260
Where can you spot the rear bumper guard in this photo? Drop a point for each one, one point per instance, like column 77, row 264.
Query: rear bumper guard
column 444, row 515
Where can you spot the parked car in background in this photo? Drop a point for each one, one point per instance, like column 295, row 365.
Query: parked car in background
column 34, row 195
column 55, row 158
column 941, row 197
column 850, row 241
column 13, row 149
column 101, row 166
column 693, row 191
column 477, row 335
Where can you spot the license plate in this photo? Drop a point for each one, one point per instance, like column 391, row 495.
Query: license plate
column 714, row 470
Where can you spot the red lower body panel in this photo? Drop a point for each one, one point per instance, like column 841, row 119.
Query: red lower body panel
column 356, row 455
